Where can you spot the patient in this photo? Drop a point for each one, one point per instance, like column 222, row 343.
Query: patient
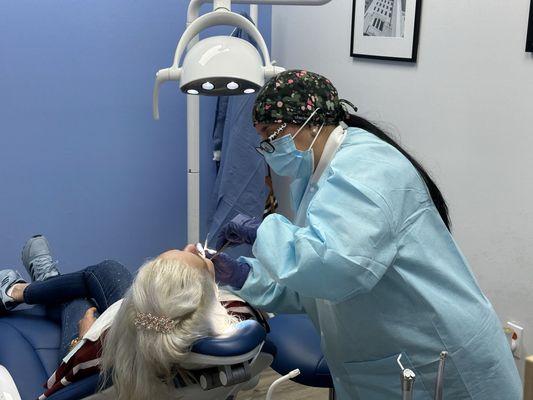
column 146, row 327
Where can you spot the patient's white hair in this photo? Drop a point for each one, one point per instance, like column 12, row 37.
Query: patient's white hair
column 142, row 363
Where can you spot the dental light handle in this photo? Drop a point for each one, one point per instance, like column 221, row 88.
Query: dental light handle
column 163, row 75
column 439, row 383
column 294, row 373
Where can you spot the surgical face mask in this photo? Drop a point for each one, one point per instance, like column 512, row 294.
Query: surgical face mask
column 287, row 160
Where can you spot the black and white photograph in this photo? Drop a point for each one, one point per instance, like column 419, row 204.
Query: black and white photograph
column 385, row 29
column 529, row 40
column 385, row 18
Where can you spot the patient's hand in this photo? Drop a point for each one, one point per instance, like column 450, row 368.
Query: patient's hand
column 86, row 322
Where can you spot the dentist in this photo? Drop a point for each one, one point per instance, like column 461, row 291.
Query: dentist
column 369, row 256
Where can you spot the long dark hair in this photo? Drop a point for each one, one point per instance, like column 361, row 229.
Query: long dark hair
column 359, row 122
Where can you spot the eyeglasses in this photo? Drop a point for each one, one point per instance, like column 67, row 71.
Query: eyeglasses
column 266, row 146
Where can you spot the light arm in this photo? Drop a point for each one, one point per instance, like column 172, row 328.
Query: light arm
column 194, row 5
column 222, row 17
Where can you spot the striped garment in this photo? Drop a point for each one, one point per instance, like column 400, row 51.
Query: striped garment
column 84, row 359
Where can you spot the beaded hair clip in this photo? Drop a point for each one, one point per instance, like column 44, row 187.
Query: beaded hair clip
column 150, row 322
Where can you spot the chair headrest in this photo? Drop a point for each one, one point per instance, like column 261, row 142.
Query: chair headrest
column 246, row 336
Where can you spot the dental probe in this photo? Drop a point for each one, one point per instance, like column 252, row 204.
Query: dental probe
column 439, row 384
column 224, row 247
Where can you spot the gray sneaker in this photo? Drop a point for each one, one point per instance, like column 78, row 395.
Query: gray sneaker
column 37, row 259
column 8, row 278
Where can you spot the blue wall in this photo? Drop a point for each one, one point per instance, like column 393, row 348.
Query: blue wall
column 81, row 159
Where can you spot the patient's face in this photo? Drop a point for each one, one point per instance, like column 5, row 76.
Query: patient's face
column 189, row 255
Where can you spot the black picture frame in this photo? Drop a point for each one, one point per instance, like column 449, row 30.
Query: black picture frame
column 416, row 33
column 529, row 39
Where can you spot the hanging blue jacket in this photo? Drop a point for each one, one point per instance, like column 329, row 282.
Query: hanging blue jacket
column 240, row 183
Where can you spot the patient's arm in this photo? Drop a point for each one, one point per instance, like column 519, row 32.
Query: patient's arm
column 86, row 322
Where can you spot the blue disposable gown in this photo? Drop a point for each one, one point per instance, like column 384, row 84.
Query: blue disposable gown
column 379, row 274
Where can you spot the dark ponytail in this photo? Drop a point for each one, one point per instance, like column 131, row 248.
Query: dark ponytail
column 359, row 122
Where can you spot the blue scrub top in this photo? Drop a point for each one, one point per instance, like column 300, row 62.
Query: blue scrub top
column 380, row 275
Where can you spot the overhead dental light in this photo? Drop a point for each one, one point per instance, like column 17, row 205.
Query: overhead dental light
column 220, row 65
column 215, row 66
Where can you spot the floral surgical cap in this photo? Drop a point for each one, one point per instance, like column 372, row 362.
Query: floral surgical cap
column 292, row 96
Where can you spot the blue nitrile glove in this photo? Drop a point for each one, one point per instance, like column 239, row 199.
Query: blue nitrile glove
column 229, row 271
column 241, row 229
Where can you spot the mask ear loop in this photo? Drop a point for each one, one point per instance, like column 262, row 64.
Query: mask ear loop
column 316, row 137
column 305, row 123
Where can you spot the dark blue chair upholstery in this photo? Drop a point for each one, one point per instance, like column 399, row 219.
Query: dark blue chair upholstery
column 29, row 349
column 250, row 335
column 298, row 346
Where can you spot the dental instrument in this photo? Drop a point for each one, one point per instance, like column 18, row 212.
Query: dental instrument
column 407, row 378
column 294, row 373
column 440, row 376
column 206, row 252
column 201, row 250
column 224, row 247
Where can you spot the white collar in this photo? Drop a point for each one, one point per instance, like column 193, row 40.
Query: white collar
column 333, row 143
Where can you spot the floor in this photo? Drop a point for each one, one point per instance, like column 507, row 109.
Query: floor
column 286, row 391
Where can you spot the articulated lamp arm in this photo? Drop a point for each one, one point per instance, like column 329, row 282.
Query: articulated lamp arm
column 194, row 5
column 220, row 17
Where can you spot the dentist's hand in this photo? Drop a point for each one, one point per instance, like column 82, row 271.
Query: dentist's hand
column 241, row 229
column 229, row 271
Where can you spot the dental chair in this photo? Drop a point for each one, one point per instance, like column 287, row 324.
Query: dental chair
column 29, row 346
column 298, row 347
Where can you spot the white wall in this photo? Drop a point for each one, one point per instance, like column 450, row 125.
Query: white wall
column 465, row 110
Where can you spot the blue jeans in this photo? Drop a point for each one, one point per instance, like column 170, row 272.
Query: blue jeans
column 69, row 296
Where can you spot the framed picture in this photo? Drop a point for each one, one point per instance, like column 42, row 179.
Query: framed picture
column 529, row 40
column 386, row 29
